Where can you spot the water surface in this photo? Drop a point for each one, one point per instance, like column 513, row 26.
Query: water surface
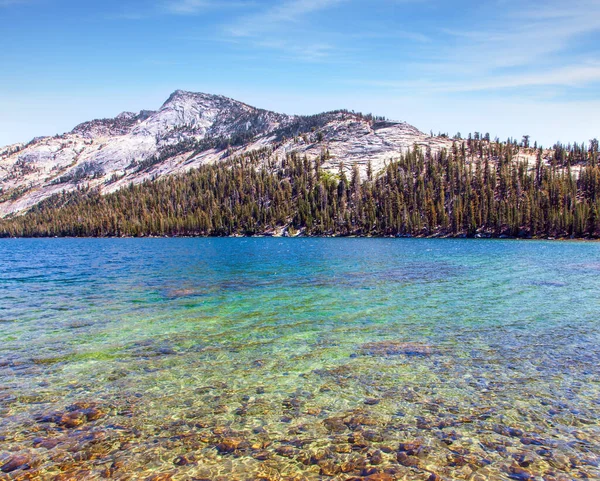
column 243, row 359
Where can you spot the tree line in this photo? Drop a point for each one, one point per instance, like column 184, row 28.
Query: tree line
column 474, row 188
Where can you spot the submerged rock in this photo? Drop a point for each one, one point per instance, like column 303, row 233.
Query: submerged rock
column 229, row 445
column 405, row 460
column 396, row 348
column 520, row 474
column 15, row 463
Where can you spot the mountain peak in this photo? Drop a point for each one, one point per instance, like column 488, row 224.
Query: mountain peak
column 185, row 95
column 189, row 130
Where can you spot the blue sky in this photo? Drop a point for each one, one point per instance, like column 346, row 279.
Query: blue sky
column 506, row 67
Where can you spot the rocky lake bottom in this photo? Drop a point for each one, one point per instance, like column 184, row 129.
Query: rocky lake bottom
column 299, row 359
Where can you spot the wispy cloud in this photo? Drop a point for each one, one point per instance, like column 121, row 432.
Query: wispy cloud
column 288, row 12
column 570, row 76
column 391, row 36
column 533, row 44
column 191, row 7
column 8, row 3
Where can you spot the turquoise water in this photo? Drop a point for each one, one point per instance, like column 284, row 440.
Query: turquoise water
column 299, row 359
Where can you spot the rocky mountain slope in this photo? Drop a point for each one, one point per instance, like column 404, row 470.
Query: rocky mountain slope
column 189, row 130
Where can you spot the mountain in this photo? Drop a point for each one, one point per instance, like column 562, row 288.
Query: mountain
column 190, row 130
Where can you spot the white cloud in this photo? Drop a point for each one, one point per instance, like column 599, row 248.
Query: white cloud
column 569, row 76
column 290, row 11
column 191, row 7
column 534, row 44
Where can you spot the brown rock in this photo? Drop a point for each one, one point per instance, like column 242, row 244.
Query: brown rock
column 524, row 460
column 228, row 445
column 406, row 460
column 160, row 477
column 373, row 436
column 72, row 419
column 45, row 443
column 410, row 448
column 456, row 460
column 520, row 474
column 16, row 462
column 376, row 458
column 334, row 425
column 182, row 461
column 92, row 413
column 329, row 467
column 261, row 455
column 379, row 477
column 286, row 451
column 341, row 448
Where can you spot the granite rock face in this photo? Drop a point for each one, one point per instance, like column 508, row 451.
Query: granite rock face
column 191, row 129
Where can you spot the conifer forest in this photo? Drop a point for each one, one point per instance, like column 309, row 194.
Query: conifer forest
column 476, row 188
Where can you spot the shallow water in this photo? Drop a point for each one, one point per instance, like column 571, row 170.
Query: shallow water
column 243, row 359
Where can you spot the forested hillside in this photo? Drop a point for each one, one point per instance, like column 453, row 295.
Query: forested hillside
column 475, row 188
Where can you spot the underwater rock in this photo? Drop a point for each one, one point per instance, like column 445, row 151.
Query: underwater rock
column 75, row 415
column 376, row 457
column 410, row 448
column 335, row 425
column 72, row 420
column 15, row 463
column 313, row 411
column 372, row 436
column 507, row 431
column 530, row 440
column 373, row 477
column 524, row 459
column 45, row 443
column 160, row 477
column 329, row 467
column 454, row 459
column 353, row 463
column 359, row 420
column 520, row 474
column 286, row 451
column 262, row 455
column 229, row 445
column 406, row 460
column 396, row 348
column 183, row 460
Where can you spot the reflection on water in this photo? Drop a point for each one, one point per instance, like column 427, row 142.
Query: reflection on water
column 299, row 359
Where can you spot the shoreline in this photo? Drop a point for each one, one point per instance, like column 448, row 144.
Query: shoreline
column 354, row 236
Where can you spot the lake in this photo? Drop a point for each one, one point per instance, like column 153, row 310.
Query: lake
column 299, row 359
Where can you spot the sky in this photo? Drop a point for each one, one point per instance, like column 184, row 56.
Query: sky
column 507, row 67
